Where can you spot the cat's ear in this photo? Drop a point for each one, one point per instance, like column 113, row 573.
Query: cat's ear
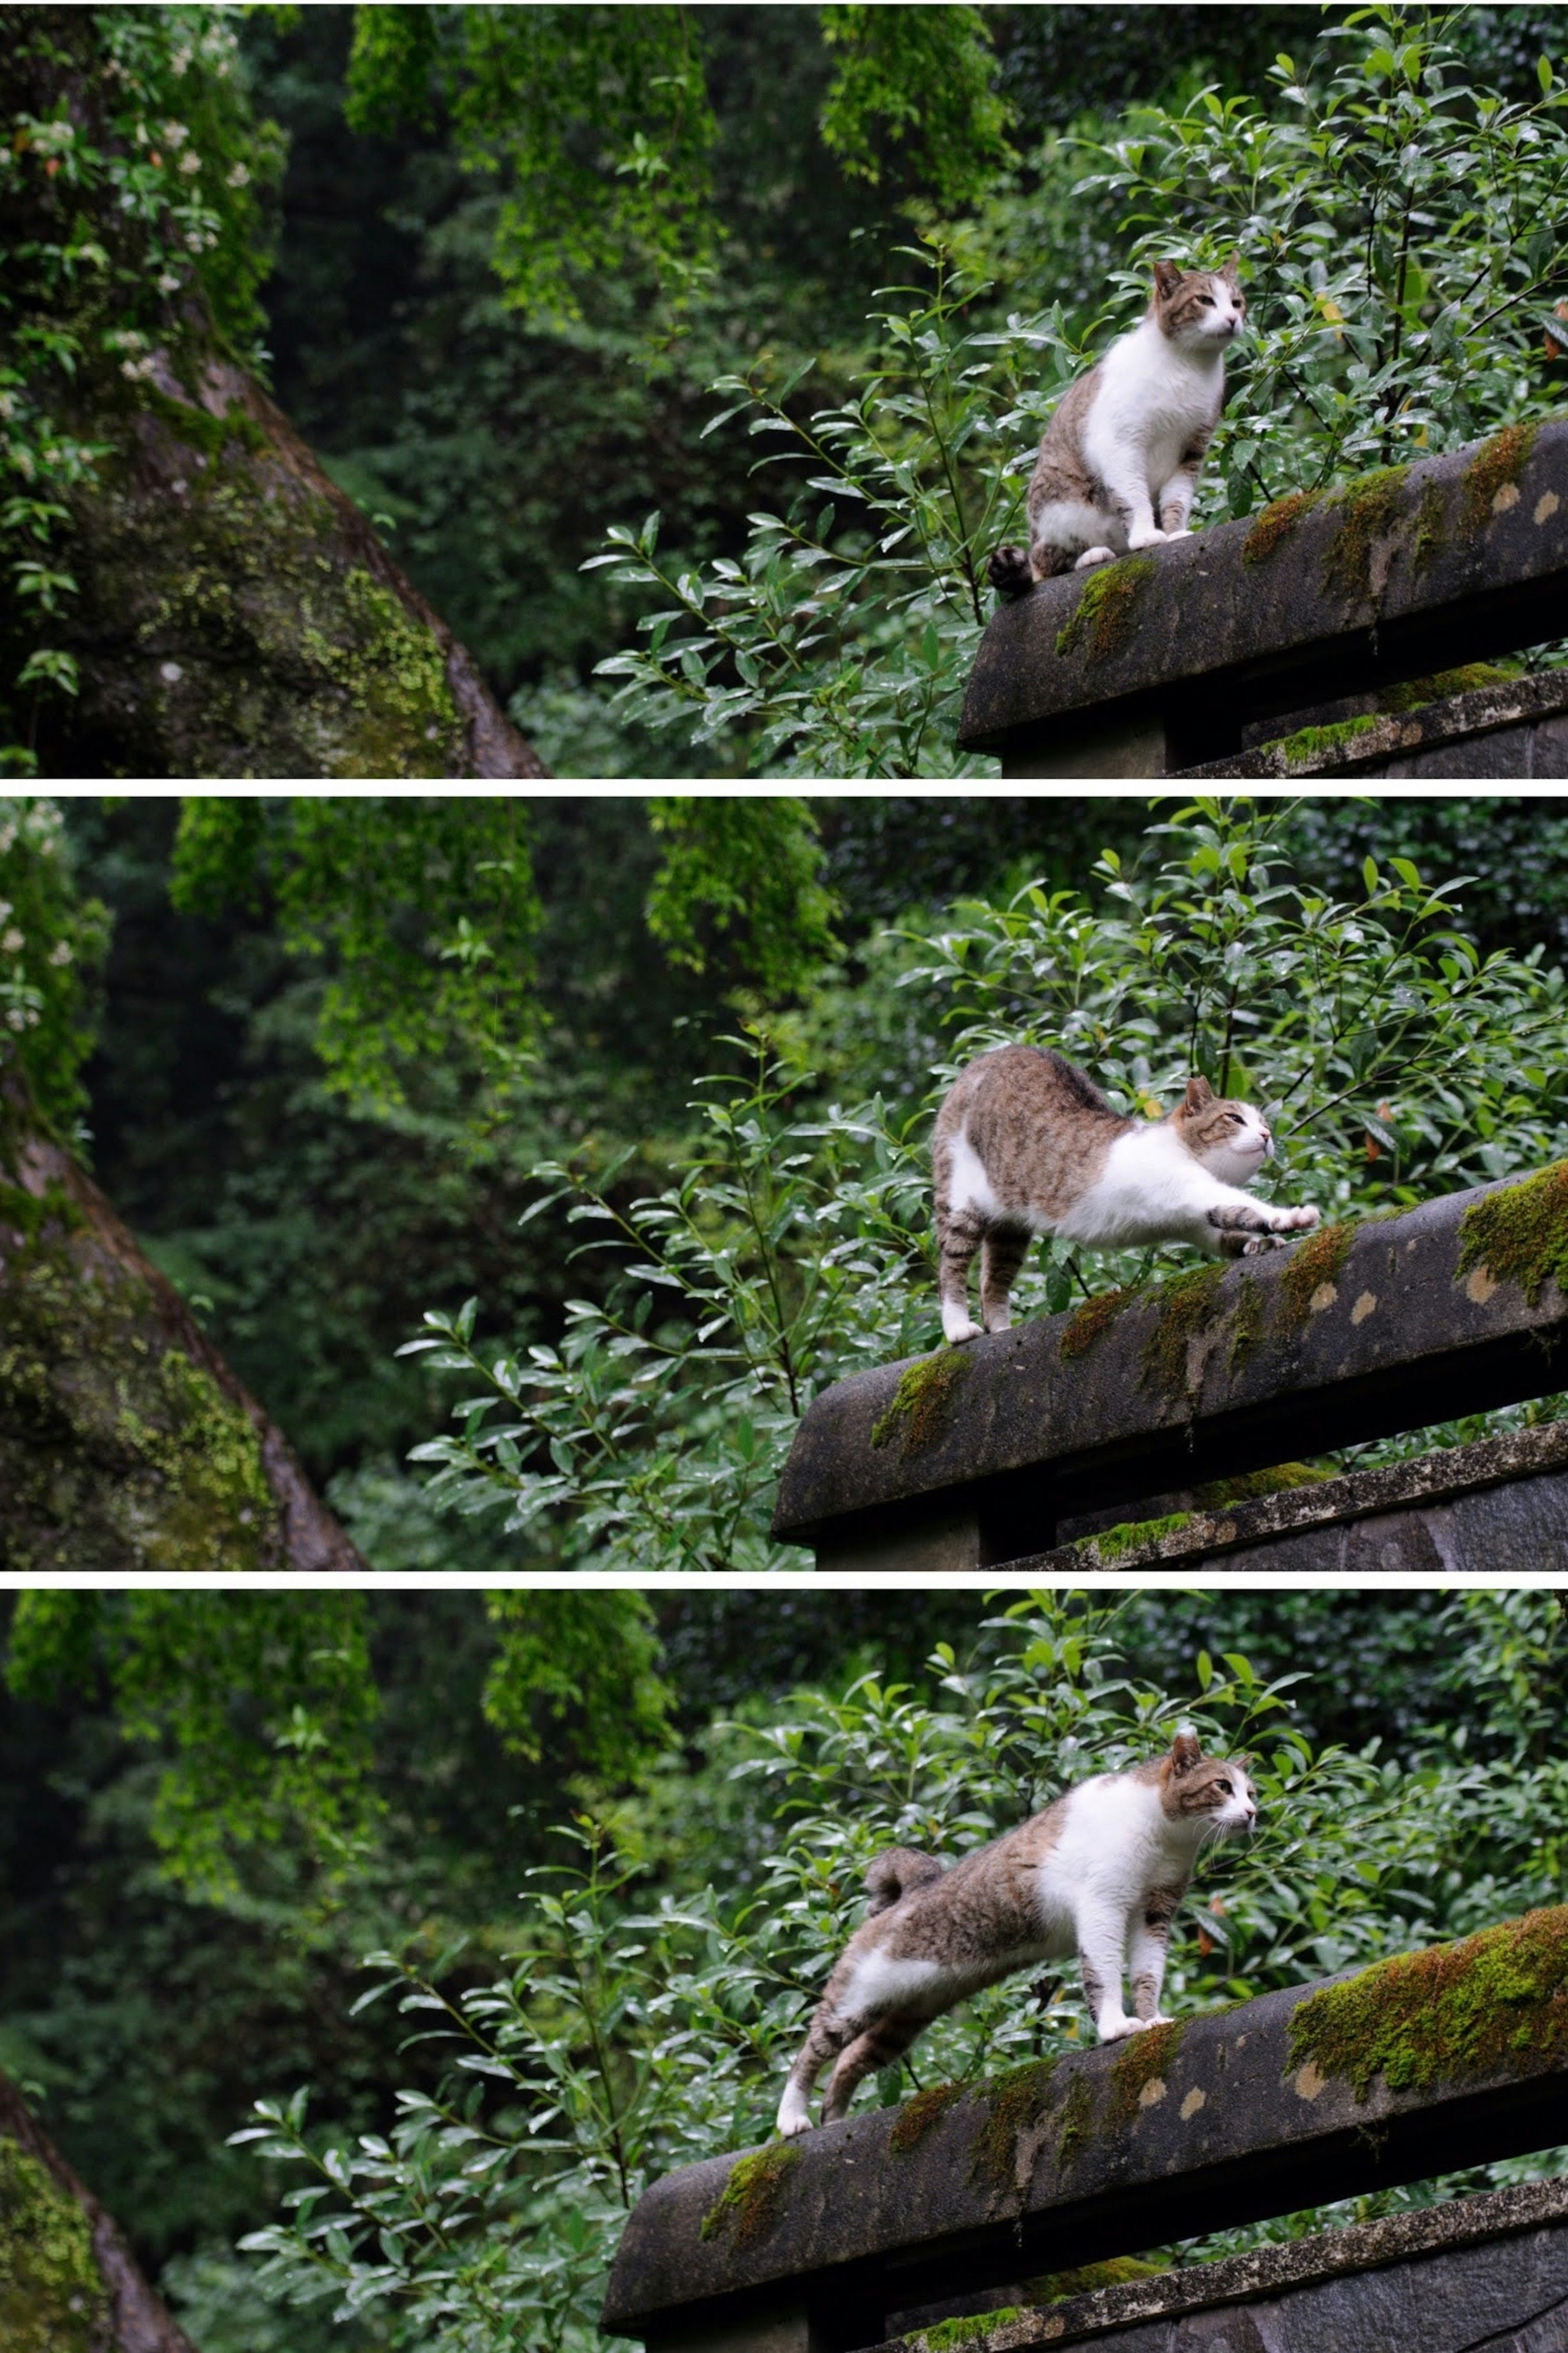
column 1185, row 1753
column 1230, row 270
column 1167, row 277
column 1199, row 1094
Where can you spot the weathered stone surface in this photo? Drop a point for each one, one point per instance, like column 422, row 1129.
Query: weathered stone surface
column 1500, row 1505
column 1492, row 731
column 1446, row 2279
column 1398, row 573
column 1214, row 2122
column 1351, row 1334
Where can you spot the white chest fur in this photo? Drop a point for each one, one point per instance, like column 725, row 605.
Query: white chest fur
column 1152, row 397
column 1115, row 1844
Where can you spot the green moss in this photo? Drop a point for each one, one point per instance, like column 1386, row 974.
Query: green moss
column 1498, row 1999
column 921, row 1406
column 1112, row 1544
column 1312, row 742
column 1498, row 462
column 1077, row 2124
column 1012, row 2102
column 967, row 2330
column 1103, row 614
column 1186, row 1308
column 916, row 2117
column 1248, row 1319
column 1520, row 1235
column 52, row 2297
column 1085, row 2279
column 200, row 430
column 1317, row 1260
column 1142, row 2059
column 1431, row 525
column 1416, row 692
column 753, row 2197
column 1090, row 1322
column 1274, row 525
column 1368, row 511
column 117, row 1451
column 1251, row 1486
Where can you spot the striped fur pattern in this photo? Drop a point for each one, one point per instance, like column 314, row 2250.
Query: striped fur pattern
column 1025, row 1145
column 1098, row 1875
column 1118, row 464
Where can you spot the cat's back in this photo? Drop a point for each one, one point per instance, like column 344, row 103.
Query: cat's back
column 1032, row 1120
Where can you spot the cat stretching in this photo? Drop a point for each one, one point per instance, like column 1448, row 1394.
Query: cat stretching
column 1099, row 1873
column 1118, row 464
column 1027, row 1145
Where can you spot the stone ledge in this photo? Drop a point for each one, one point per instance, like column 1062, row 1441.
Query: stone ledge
column 1353, row 746
column 1354, row 1333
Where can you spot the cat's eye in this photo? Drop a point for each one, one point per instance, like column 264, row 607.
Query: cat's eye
column 1207, row 298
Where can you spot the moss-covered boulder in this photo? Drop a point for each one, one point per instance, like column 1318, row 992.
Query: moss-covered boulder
column 125, row 1441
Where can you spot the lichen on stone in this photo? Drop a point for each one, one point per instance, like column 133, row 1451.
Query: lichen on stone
column 1313, row 1264
column 1143, row 2059
column 753, row 2196
column 1499, row 2000
column 920, row 1407
column 1275, row 524
column 1496, row 463
column 916, row 2117
column 1011, row 2101
column 1103, row 614
column 1519, row 1233
column 1368, row 511
column 52, row 2296
column 1090, row 1323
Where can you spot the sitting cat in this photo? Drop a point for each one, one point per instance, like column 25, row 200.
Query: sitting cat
column 1119, row 463
column 1025, row 1145
column 1099, row 1873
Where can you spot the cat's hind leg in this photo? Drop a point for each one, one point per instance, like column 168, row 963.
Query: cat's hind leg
column 826, row 2040
column 1004, row 1252
column 878, row 2047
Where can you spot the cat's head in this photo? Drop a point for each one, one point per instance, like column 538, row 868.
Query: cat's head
column 1212, row 1795
column 1199, row 309
column 1231, row 1139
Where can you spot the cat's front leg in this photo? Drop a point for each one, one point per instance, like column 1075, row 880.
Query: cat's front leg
column 1102, row 1943
column 1239, row 1213
column 1146, row 1959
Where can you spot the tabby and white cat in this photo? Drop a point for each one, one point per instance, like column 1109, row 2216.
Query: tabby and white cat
column 1119, row 463
column 1027, row 1145
column 1099, row 1873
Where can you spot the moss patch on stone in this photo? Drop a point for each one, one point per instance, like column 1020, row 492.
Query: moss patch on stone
column 1185, row 1308
column 921, row 1407
column 1086, row 2279
column 1249, row 1319
column 1112, row 1544
column 916, row 2117
column 967, row 2330
column 1519, row 1234
column 1090, row 1323
column 1495, row 464
column 1143, row 2059
column 1368, row 511
column 1251, row 1486
column 1314, row 743
column 1431, row 525
column 753, row 2197
column 52, row 2297
column 1416, row 692
column 1077, row 2124
column 1314, row 1264
column 1499, row 2000
column 1012, row 2103
column 1102, row 616
column 1274, row 525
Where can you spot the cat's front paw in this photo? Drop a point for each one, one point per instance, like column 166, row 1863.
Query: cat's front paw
column 1176, row 530
column 1149, row 538
column 1094, row 555
column 1255, row 1244
column 1116, row 2029
column 1293, row 1221
column 956, row 1327
column 794, row 2118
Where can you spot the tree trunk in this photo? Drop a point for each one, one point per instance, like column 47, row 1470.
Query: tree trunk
column 234, row 614
column 68, row 2282
column 125, row 1441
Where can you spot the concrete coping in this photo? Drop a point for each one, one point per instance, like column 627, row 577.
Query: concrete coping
column 1453, row 2057
column 1354, row 582
column 1355, row 1333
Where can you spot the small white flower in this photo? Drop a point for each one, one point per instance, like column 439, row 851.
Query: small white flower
column 175, row 134
column 60, row 954
column 17, row 1018
column 190, row 161
column 13, row 941
column 8, row 405
column 167, row 282
column 239, row 177
column 194, row 240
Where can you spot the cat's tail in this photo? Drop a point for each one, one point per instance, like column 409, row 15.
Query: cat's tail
column 893, row 1872
column 1009, row 571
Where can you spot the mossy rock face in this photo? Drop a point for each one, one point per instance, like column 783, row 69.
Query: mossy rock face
column 52, row 2297
column 117, row 1450
column 1102, row 619
column 752, row 2200
column 1519, row 1233
column 1368, row 511
column 922, row 1405
column 967, row 2329
column 1499, row 2000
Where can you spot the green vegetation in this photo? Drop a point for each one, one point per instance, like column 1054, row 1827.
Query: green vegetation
column 52, row 2298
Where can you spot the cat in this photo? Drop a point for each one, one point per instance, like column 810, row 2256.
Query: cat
column 1118, row 464
column 1026, row 1143
column 1100, row 1874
